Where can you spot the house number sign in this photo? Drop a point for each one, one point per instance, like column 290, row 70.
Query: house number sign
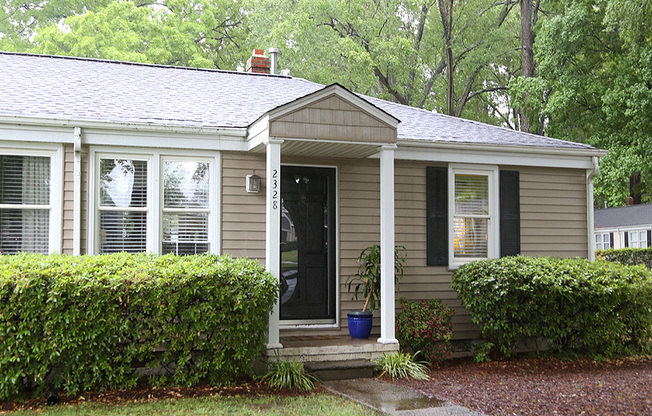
column 275, row 194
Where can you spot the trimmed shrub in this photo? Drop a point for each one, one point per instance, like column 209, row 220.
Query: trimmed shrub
column 574, row 305
column 632, row 256
column 425, row 326
column 77, row 323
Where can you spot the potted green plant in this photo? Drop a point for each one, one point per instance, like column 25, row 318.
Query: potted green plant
column 366, row 282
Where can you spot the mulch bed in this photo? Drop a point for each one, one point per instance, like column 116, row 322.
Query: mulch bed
column 544, row 386
column 146, row 393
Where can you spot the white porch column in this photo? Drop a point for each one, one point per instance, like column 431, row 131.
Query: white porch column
column 273, row 231
column 387, row 291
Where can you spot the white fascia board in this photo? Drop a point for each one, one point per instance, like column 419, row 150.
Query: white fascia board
column 27, row 128
column 640, row 227
column 499, row 155
column 258, row 132
column 340, row 92
column 42, row 134
column 167, row 140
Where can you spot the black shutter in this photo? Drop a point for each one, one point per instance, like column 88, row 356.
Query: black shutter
column 510, row 214
column 626, row 238
column 611, row 240
column 437, row 216
column 649, row 234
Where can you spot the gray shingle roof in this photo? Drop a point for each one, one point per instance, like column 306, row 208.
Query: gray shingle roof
column 117, row 92
column 623, row 216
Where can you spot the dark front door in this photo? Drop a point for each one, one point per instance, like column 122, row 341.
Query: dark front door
column 307, row 244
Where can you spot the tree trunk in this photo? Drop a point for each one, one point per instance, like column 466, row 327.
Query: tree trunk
column 527, row 53
column 446, row 12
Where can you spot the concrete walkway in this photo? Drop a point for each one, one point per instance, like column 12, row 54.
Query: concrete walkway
column 394, row 400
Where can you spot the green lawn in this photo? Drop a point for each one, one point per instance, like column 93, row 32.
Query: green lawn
column 317, row 405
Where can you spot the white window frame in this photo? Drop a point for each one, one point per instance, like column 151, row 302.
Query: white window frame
column 55, row 153
column 600, row 245
column 638, row 233
column 212, row 190
column 154, row 192
column 493, row 222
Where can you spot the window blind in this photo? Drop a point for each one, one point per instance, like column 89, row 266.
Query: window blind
column 24, row 204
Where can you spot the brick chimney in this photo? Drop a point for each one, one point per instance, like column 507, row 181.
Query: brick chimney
column 629, row 201
column 258, row 63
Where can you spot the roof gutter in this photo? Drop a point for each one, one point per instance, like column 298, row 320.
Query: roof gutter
column 420, row 144
column 239, row 132
column 590, row 175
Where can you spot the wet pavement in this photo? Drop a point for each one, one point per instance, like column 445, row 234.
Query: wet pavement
column 394, row 400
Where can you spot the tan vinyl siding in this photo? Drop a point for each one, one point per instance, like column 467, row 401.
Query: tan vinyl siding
column 243, row 214
column 68, row 206
column 553, row 212
column 68, row 199
column 332, row 119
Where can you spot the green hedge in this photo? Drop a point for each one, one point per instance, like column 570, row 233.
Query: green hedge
column 77, row 323
column 574, row 305
column 630, row 256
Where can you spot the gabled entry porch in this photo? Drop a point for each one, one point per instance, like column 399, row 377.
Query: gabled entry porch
column 338, row 125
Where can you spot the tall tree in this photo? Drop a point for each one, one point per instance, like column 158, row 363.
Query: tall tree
column 199, row 33
column 418, row 52
column 594, row 85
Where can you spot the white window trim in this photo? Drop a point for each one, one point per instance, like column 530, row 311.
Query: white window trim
column 154, row 199
column 638, row 231
column 493, row 231
column 602, row 242
column 212, row 198
column 55, row 153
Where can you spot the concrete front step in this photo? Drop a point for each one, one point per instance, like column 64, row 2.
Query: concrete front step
column 341, row 349
column 340, row 370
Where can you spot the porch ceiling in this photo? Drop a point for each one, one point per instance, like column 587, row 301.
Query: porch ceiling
column 330, row 149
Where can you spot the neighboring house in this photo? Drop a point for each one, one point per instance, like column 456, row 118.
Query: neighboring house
column 628, row 226
column 100, row 156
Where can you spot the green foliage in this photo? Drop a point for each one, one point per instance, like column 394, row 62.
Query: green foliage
column 425, row 326
column 402, row 365
column 285, row 374
column 367, row 279
column 75, row 323
column 574, row 305
column 631, row 256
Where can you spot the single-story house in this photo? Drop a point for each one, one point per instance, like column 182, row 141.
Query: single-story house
column 620, row 227
column 100, row 156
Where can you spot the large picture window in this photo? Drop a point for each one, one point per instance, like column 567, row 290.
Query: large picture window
column 154, row 203
column 24, row 204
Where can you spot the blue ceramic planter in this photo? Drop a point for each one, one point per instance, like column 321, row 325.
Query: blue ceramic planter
column 360, row 324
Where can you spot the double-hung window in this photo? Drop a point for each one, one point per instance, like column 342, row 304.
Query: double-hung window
column 638, row 239
column 603, row 241
column 29, row 189
column 473, row 208
column 155, row 203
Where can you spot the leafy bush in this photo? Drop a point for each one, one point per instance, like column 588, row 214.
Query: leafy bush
column 573, row 305
column 89, row 322
column 402, row 365
column 285, row 374
column 632, row 256
column 425, row 326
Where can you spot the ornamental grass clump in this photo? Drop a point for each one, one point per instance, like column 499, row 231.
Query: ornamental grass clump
column 402, row 365
column 285, row 374
column 425, row 326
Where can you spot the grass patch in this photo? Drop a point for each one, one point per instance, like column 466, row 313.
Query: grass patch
column 317, row 405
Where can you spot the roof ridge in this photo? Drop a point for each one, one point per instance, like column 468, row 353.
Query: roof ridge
column 143, row 64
